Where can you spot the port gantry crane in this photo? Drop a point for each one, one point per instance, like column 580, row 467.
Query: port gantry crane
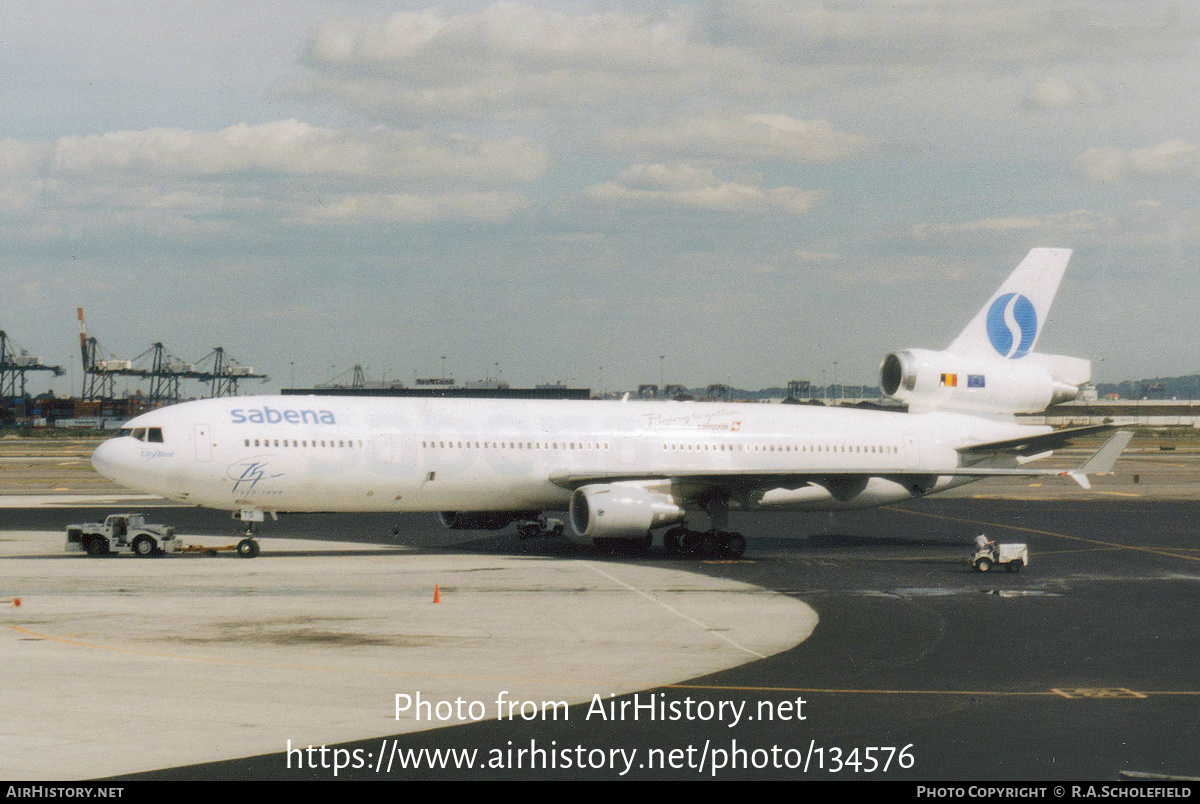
column 14, row 367
column 163, row 369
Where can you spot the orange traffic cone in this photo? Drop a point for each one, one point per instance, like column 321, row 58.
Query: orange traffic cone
column 16, row 602
column 437, row 593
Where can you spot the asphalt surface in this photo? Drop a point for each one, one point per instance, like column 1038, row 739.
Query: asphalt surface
column 1081, row 667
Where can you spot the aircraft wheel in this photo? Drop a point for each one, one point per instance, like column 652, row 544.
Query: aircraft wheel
column 247, row 548
column 708, row 544
column 983, row 565
column 735, row 545
column 643, row 544
column 143, row 546
column 97, row 546
column 672, row 542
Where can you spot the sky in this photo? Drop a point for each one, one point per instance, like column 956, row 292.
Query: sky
column 597, row 193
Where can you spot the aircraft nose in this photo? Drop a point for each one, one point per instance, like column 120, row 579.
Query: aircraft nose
column 105, row 459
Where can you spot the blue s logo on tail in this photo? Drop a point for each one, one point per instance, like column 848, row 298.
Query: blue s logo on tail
column 1012, row 325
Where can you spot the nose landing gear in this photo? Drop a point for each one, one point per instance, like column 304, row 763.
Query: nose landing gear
column 249, row 517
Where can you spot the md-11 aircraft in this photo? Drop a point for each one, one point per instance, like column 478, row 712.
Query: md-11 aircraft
column 624, row 469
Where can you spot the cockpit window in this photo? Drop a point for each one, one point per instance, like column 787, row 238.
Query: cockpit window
column 152, row 434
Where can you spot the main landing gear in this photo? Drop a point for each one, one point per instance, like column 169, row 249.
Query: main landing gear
column 541, row 528
column 716, row 542
column 704, row 544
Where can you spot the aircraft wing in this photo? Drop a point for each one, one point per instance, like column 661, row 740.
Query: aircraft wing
column 1035, row 444
column 1100, row 462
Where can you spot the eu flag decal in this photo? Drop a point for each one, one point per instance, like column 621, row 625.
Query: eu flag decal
column 975, row 381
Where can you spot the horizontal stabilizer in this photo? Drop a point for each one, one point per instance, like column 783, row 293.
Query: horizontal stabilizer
column 1035, row 444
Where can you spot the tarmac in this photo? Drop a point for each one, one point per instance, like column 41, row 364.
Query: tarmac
column 854, row 645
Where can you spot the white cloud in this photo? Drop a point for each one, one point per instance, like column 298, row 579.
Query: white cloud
column 518, row 61
column 295, row 148
column 968, row 32
column 1142, row 225
column 683, row 187
column 740, row 137
column 804, row 255
column 412, row 208
column 1073, row 223
column 1166, row 160
column 504, row 30
column 22, row 158
column 175, row 183
column 1055, row 93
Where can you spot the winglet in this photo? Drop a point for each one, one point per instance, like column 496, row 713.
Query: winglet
column 1081, row 479
column 1101, row 463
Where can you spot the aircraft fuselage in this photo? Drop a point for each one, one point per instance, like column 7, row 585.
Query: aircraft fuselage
column 312, row 453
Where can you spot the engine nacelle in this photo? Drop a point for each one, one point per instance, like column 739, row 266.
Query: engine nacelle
column 926, row 380
column 483, row 520
column 621, row 511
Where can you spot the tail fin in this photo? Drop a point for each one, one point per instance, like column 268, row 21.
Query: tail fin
column 982, row 371
column 1009, row 324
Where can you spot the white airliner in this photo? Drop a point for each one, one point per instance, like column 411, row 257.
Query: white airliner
column 626, row 468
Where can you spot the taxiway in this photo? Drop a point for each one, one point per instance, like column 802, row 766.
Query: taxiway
column 1081, row 667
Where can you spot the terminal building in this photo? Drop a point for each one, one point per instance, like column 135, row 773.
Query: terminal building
column 1120, row 412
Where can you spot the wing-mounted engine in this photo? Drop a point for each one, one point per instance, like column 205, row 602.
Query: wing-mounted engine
column 926, row 380
column 624, row 510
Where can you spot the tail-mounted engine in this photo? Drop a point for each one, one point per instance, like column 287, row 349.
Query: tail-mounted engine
column 926, row 380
